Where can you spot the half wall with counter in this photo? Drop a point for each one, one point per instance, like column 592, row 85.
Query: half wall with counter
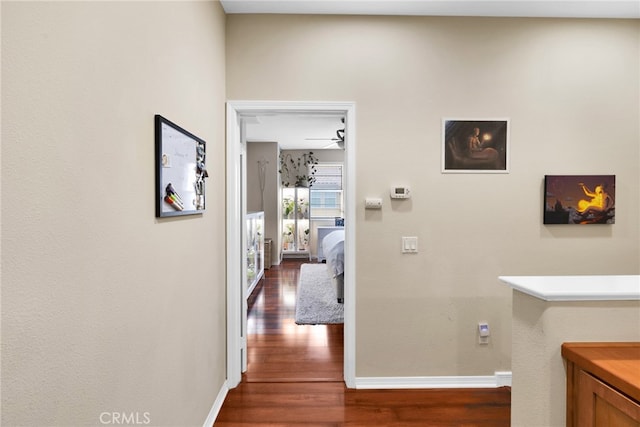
column 551, row 310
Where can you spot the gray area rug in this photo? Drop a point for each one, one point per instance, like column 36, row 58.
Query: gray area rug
column 316, row 301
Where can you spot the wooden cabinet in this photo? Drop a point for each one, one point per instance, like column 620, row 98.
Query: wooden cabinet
column 603, row 384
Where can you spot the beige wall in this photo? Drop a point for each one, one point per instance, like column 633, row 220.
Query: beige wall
column 570, row 89
column 104, row 307
column 257, row 151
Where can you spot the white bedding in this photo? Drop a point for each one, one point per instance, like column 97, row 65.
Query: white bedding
column 333, row 248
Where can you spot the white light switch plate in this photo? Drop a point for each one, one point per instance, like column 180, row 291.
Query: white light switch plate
column 409, row 245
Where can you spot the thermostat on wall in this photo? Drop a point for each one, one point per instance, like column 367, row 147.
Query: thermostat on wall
column 400, row 193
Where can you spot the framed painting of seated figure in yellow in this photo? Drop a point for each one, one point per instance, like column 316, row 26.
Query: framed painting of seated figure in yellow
column 475, row 146
column 579, row 199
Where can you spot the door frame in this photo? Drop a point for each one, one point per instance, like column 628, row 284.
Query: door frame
column 236, row 341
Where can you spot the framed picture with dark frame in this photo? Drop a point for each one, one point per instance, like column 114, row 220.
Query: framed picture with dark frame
column 475, row 145
column 579, row 199
column 180, row 170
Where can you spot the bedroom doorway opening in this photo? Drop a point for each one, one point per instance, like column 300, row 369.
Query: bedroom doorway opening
column 239, row 113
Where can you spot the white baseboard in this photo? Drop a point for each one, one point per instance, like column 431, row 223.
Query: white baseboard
column 503, row 378
column 217, row 406
column 500, row 379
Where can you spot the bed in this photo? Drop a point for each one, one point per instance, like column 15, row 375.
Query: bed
column 333, row 249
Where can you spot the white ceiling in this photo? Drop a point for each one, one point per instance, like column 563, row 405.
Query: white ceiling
column 496, row 8
column 295, row 131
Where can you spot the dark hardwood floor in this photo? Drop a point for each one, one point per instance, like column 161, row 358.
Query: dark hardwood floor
column 278, row 349
column 294, row 377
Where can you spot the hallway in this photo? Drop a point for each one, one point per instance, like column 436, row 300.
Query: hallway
column 294, row 377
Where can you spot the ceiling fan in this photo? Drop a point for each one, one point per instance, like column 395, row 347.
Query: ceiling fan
column 336, row 142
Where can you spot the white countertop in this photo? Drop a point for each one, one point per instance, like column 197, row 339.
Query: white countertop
column 577, row 288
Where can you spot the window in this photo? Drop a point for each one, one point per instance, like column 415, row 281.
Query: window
column 328, row 176
column 326, row 192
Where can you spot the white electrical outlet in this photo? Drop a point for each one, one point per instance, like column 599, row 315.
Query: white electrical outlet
column 483, row 333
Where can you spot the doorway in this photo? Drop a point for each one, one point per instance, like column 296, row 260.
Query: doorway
column 236, row 301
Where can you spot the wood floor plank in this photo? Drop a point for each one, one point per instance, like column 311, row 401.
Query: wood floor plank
column 294, row 377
